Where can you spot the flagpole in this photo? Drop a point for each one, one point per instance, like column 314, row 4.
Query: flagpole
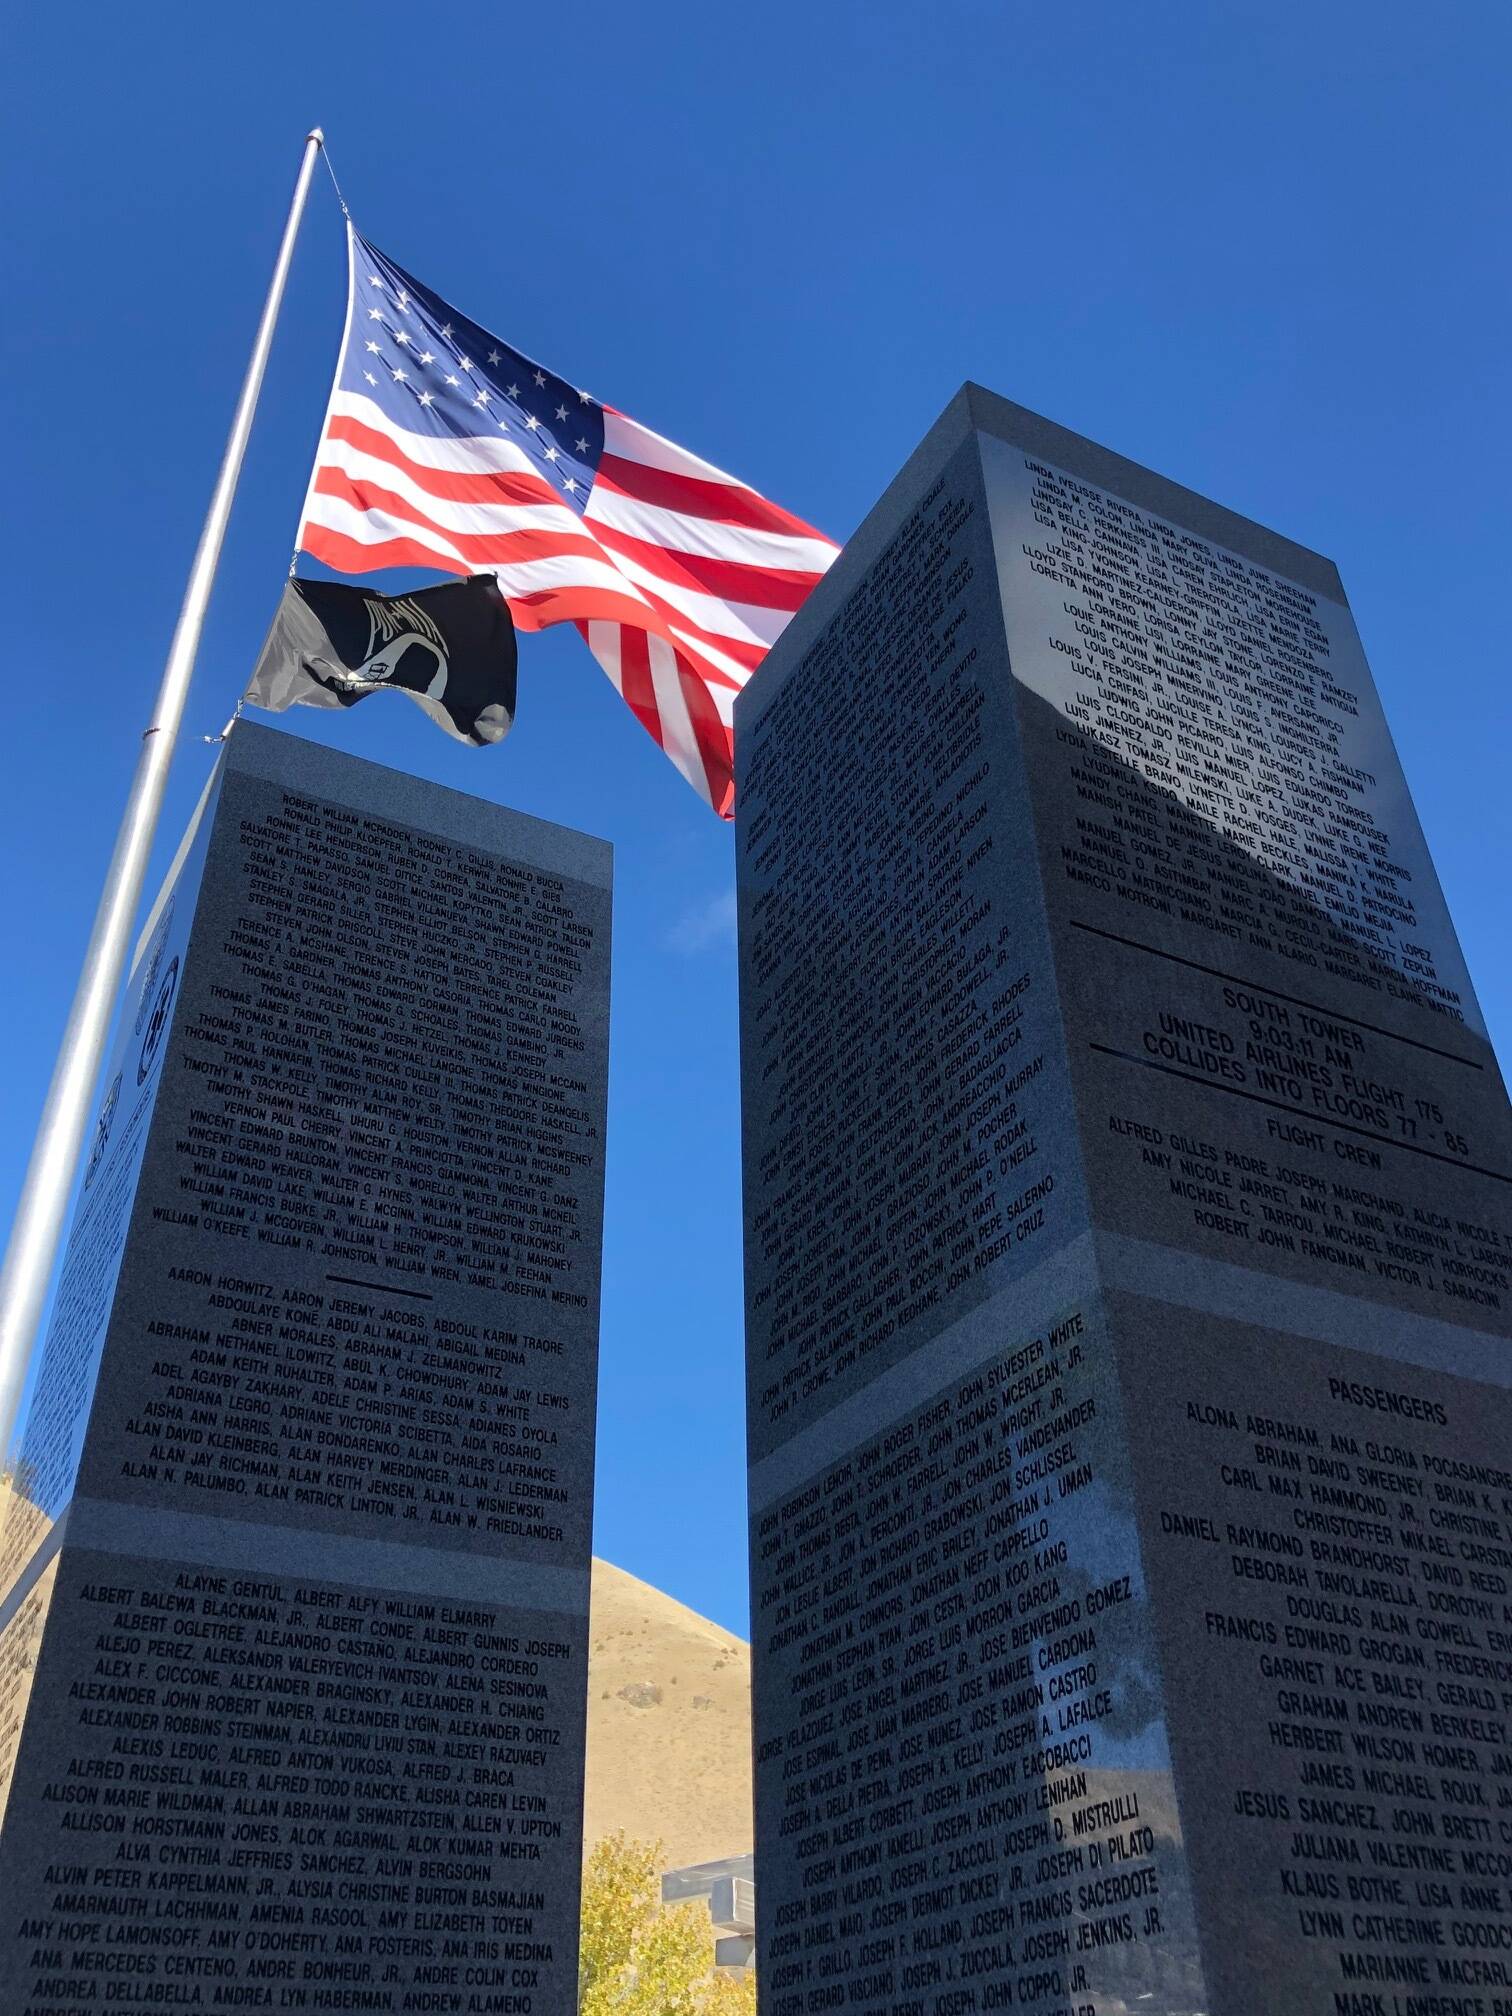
column 38, row 1227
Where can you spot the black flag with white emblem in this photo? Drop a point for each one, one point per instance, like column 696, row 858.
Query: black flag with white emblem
column 451, row 649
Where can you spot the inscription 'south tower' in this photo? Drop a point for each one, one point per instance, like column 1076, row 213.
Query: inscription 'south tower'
column 295, row 1574
column 1128, row 1280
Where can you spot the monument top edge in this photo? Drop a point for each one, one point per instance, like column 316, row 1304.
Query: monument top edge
column 281, row 757
column 988, row 412
column 976, row 414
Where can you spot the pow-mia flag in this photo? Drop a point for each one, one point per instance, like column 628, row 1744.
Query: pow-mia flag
column 452, row 649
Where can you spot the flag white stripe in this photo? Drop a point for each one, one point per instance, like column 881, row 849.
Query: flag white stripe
column 564, row 571
column 627, row 438
column 447, row 512
column 723, row 696
column 680, row 532
column 466, row 454
column 711, row 615
column 499, row 520
column 617, row 573
column 335, row 392
column 524, row 577
column 708, row 653
column 678, row 739
column 374, row 528
column 665, row 629
column 741, row 621
column 604, row 643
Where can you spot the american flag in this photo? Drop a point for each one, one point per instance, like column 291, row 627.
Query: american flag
column 442, row 447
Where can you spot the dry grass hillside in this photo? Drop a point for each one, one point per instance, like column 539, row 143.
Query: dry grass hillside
column 669, row 1724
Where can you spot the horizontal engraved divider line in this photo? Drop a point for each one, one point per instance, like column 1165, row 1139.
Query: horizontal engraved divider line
column 1299, row 1112
column 1007, row 1319
column 1328, row 1014
column 380, row 1287
column 107, row 1526
column 1224, row 1288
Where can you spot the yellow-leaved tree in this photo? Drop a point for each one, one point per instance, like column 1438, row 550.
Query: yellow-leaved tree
column 639, row 1957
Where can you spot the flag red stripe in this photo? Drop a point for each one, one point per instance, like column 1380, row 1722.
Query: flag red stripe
column 483, row 550
column 679, row 630
column 517, row 549
column 635, row 681
column 504, row 549
column 491, row 486
column 545, row 606
column 531, row 611
column 716, row 747
column 492, row 549
column 731, row 580
column 680, row 555
column 748, row 658
column 351, row 556
column 725, row 503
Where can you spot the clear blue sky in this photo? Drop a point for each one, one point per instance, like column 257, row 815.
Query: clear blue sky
column 1262, row 248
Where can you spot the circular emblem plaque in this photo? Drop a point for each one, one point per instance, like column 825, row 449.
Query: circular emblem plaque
column 157, row 1022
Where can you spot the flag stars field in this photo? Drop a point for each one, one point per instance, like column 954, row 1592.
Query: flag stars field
column 678, row 577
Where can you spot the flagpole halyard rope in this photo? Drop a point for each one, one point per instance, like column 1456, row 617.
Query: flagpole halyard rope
column 325, row 156
column 346, row 329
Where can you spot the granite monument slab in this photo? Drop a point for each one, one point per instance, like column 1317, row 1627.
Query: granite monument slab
column 1129, row 1268
column 297, row 1551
